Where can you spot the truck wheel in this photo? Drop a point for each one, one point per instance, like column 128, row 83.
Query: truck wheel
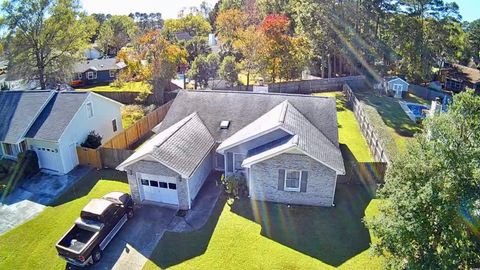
column 130, row 214
column 96, row 255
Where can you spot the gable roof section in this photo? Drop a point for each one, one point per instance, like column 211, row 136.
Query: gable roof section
column 181, row 147
column 306, row 137
column 57, row 115
column 19, row 109
column 463, row 73
column 98, row 65
column 243, row 108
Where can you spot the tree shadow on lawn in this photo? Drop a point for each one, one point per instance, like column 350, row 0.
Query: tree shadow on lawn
column 331, row 235
column 175, row 248
column 82, row 187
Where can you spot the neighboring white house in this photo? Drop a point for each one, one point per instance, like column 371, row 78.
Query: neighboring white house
column 53, row 124
column 395, row 84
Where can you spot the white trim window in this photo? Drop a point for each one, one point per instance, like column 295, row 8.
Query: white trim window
column 23, row 146
column 112, row 73
column 9, row 149
column 91, row 75
column 293, row 180
column 89, row 110
column 237, row 161
column 80, row 76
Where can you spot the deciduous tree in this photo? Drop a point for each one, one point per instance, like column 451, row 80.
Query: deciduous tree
column 431, row 215
column 45, row 37
column 116, row 32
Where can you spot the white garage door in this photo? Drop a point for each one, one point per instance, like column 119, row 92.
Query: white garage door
column 158, row 188
column 49, row 158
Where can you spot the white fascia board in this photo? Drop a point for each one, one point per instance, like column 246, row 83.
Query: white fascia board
column 221, row 148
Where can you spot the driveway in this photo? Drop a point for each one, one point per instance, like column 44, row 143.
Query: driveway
column 33, row 195
column 137, row 240
column 132, row 247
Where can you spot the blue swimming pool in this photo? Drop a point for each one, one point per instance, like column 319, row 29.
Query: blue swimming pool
column 417, row 109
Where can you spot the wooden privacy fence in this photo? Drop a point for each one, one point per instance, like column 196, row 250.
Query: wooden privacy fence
column 375, row 142
column 139, row 130
column 116, row 150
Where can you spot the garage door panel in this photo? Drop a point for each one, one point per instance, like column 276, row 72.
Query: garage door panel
column 159, row 189
column 49, row 158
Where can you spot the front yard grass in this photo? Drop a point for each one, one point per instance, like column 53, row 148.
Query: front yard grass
column 32, row 245
column 127, row 87
column 261, row 235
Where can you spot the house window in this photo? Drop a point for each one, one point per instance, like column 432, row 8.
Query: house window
column 114, row 125
column 112, row 73
column 80, row 76
column 9, row 149
column 91, row 75
column 292, row 180
column 89, row 110
column 237, row 161
column 23, row 146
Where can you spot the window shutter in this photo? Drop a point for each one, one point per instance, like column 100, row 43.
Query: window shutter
column 303, row 184
column 229, row 162
column 281, row 179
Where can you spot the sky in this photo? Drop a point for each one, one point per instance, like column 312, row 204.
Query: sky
column 168, row 8
column 469, row 9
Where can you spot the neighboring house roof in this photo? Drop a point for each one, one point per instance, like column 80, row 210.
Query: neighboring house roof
column 183, row 36
column 98, row 65
column 19, row 109
column 243, row 108
column 57, row 115
column 181, row 147
column 463, row 73
column 304, row 137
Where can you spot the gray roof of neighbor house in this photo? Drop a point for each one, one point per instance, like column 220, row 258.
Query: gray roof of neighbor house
column 18, row 110
column 98, row 65
column 304, row 136
column 57, row 115
column 243, row 108
column 181, row 147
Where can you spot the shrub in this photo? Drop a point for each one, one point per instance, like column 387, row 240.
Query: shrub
column 93, row 140
column 27, row 163
column 235, row 185
column 12, row 172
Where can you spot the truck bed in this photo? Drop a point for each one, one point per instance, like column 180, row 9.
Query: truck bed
column 76, row 239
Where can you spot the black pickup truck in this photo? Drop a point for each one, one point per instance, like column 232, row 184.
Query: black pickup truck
column 99, row 221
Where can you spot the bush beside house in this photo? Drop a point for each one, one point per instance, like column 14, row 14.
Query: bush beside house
column 11, row 172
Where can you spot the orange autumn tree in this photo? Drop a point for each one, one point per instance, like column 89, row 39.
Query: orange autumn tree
column 230, row 23
column 285, row 55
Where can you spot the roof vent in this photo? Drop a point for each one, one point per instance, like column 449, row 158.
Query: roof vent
column 224, row 124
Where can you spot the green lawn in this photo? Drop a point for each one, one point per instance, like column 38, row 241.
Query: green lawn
column 255, row 235
column 398, row 124
column 262, row 235
column 127, row 87
column 32, row 245
column 349, row 133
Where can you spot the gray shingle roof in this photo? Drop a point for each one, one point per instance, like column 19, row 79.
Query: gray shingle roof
column 98, row 65
column 181, row 147
column 56, row 116
column 243, row 108
column 18, row 110
column 305, row 135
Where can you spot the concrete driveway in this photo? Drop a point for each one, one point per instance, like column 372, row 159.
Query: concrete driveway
column 137, row 239
column 33, row 195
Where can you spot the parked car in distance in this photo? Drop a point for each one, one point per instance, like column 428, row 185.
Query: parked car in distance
column 99, row 221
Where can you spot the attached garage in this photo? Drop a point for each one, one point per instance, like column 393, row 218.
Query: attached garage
column 157, row 188
column 49, row 158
